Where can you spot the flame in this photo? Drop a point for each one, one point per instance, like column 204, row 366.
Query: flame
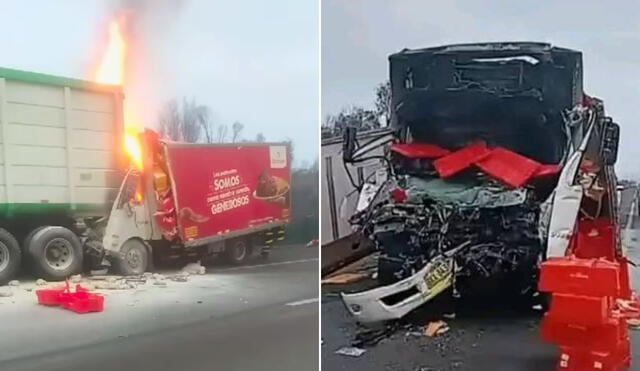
column 111, row 70
column 133, row 147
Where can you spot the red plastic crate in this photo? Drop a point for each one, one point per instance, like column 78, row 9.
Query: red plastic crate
column 84, row 302
column 49, row 297
column 581, row 359
column 604, row 337
column 593, row 277
column 579, row 310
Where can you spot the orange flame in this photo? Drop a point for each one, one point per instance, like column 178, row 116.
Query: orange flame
column 111, row 70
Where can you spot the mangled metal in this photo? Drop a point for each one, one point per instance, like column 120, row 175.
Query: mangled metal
column 490, row 218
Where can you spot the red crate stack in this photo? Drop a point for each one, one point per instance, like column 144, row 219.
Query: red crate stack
column 582, row 319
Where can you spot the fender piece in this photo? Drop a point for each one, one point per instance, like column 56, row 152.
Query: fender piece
column 396, row 300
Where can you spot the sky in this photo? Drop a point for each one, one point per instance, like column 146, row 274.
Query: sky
column 359, row 35
column 250, row 61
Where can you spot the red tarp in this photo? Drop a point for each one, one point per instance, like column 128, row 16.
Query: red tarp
column 419, row 150
column 457, row 161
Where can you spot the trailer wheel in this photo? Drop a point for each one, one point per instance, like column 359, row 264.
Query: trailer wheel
column 55, row 252
column 134, row 260
column 237, row 251
column 10, row 256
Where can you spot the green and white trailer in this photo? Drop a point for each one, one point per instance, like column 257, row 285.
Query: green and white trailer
column 61, row 164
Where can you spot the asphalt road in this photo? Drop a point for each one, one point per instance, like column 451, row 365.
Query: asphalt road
column 498, row 340
column 261, row 317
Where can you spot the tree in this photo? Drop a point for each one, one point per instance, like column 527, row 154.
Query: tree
column 383, row 101
column 236, row 129
column 260, row 138
column 222, row 133
column 354, row 116
column 185, row 122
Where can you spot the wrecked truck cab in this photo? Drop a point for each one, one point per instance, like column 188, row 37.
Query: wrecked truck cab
column 482, row 132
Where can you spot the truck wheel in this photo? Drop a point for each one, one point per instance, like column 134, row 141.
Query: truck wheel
column 236, row 251
column 134, row 260
column 10, row 256
column 55, row 253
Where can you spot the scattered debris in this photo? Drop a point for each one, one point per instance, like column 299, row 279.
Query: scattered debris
column 158, row 277
column 183, row 277
column 194, row 268
column 344, row 278
column 351, row 351
column 41, row 282
column 14, row 283
column 76, row 278
column 99, row 272
column 372, row 336
column 449, row 316
column 436, row 328
column 5, row 292
column 199, row 302
column 537, row 307
column 28, row 289
column 160, row 284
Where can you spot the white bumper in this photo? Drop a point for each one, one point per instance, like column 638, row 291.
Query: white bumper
column 371, row 306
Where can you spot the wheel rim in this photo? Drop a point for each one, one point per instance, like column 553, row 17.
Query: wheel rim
column 58, row 254
column 4, row 257
column 239, row 251
column 134, row 258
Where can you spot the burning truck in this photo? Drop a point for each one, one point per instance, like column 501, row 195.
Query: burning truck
column 78, row 191
column 480, row 137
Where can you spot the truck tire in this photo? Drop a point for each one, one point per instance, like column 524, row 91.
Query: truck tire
column 55, row 253
column 236, row 251
column 10, row 256
column 134, row 258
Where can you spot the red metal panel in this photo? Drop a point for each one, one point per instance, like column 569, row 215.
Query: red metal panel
column 457, row 161
column 419, row 150
column 224, row 188
column 509, row 167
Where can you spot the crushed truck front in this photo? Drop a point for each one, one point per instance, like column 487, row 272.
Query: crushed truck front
column 481, row 134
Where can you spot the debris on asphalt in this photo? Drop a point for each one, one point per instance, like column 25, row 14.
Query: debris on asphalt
column 76, row 278
column 436, row 328
column 5, row 292
column 351, row 351
column 182, row 277
column 160, row 284
column 344, row 278
column 194, row 268
column 14, row 283
column 99, row 272
column 41, row 282
column 158, row 276
column 370, row 337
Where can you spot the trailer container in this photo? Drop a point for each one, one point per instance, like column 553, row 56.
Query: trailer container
column 61, row 164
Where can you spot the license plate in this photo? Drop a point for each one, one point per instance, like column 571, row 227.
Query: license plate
column 439, row 272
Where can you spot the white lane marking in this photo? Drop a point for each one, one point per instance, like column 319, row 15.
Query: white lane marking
column 302, row 302
column 268, row 264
